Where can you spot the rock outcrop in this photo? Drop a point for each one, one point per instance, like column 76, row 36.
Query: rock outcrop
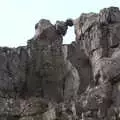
column 98, row 36
column 50, row 74
column 47, row 80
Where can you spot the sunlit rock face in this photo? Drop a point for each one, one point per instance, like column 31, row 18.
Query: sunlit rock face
column 47, row 80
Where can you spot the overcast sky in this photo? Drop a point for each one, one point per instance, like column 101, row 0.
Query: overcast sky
column 18, row 17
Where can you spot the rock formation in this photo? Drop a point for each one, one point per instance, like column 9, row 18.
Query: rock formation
column 47, row 80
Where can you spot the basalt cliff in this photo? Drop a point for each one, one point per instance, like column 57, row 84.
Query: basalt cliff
column 49, row 80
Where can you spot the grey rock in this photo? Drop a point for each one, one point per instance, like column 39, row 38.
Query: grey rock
column 51, row 75
column 109, row 15
column 61, row 27
column 47, row 80
column 69, row 22
column 80, row 60
column 108, row 69
column 72, row 81
column 97, row 35
column 12, row 70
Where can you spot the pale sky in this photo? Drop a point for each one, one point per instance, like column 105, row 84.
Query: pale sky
column 18, row 17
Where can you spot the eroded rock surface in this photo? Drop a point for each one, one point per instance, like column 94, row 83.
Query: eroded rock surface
column 98, row 36
column 47, row 80
column 50, row 74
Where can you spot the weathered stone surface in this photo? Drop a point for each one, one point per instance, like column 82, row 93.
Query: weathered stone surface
column 98, row 36
column 108, row 69
column 61, row 27
column 109, row 15
column 51, row 75
column 47, row 80
column 12, row 71
column 82, row 63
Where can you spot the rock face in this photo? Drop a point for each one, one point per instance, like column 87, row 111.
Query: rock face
column 47, row 80
column 98, row 36
column 13, row 66
column 50, row 74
